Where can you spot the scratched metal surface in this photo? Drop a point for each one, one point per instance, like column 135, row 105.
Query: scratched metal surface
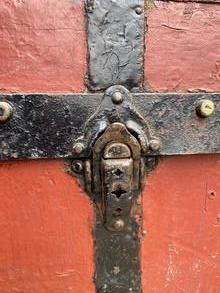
column 115, row 43
column 46, row 126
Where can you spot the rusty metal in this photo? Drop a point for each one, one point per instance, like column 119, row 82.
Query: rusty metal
column 116, row 173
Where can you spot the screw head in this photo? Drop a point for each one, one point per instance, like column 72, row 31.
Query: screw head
column 78, row 148
column 218, row 218
column 205, row 108
column 5, row 111
column 118, row 225
column 155, row 145
column 77, row 167
column 139, row 10
column 117, row 98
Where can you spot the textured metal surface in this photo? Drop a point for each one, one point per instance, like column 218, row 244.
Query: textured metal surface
column 117, row 259
column 115, row 42
column 47, row 126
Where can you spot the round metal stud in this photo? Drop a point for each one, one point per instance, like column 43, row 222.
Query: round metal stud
column 205, row 108
column 155, row 145
column 5, row 111
column 117, row 98
column 77, row 167
column 139, row 10
column 118, row 225
column 78, row 148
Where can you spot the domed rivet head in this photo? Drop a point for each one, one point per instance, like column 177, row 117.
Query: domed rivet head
column 117, row 98
column 118, row 225
column 139, row 10
column 77, row 167
column 155, row 145
column 78, row 148
column 205, row 108
column 5, row 111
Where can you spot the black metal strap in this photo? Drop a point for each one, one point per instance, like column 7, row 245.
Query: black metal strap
column 47, row 126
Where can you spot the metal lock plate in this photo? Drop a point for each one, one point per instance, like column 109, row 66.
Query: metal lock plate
column 117, row 175
column 116, row 172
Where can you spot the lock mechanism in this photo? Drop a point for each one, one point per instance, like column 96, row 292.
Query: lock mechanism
column 117, row 138
column 117, row 174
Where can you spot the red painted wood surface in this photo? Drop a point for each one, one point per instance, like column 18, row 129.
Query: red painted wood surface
column 181, row 243
column 183, row 47
column 45, row 226
column 42, row 45
column 45, row 219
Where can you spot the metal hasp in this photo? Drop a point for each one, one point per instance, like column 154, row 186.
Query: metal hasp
column 113, row 176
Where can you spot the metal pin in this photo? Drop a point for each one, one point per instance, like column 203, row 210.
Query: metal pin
column 117, row 98
column 5, row 111
column 118, row 225
column 155, row 145
column 78, row 148
column 205, row 108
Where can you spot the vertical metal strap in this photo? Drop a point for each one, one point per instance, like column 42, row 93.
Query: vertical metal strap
column 115, row 43
column 115, row 56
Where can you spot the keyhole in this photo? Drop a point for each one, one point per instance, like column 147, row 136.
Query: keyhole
column 118, row 173
column 118, row 192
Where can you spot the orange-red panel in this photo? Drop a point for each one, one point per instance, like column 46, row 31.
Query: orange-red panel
column 181, row 247
column 42, row 46
column 183, row 47
column 45, row 225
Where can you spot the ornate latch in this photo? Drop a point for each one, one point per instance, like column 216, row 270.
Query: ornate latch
column 115, row 172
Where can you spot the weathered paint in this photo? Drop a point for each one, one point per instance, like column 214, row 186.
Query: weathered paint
column 45, row 219
column 42, row 46
column 181, row 243
column 41, row 249
column 183, row 47
column 45, row 226
column 181, row 240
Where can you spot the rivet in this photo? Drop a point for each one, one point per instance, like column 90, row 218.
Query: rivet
column 118, row 225
column 205, row 108
column 77, row 167
column 155, row 145
column 5, row 111
column 138, row 10
column 218, row 218
column 117, row 98
column 78, row 148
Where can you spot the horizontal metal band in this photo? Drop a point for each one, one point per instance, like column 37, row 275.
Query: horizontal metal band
column 47, row 126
